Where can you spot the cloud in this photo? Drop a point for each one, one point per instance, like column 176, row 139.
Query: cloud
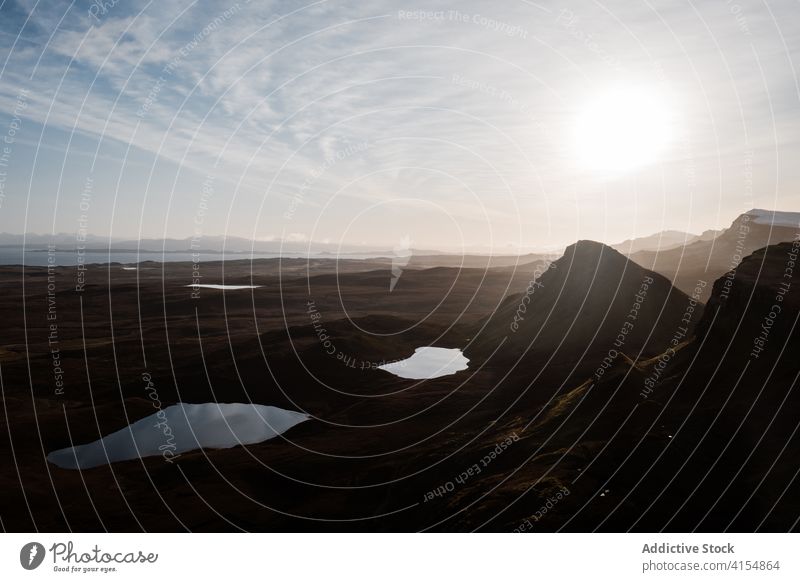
column 463, row 104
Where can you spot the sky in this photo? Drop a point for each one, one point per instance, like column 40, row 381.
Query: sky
column 452, row 125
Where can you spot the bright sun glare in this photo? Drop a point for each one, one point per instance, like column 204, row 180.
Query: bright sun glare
column 622, row 129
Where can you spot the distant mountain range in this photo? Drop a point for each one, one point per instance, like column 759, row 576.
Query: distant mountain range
column 206, row 244
column 708, row 259
column 662, row 241
column 680, row 256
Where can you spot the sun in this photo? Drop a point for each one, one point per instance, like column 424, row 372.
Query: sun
column 622, row 129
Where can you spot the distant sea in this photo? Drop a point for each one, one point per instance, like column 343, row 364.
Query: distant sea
column 37, row 258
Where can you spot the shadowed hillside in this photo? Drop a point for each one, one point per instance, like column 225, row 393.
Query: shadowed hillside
column 588, row 302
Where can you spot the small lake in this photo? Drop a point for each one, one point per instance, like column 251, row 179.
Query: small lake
column 227, row 287
column 182, row 428
column 428, row 362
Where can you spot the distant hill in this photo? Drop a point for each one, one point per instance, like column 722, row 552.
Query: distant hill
column 663, row 240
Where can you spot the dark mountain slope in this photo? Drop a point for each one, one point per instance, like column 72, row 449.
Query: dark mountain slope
column 711, row 444
column 588, row 304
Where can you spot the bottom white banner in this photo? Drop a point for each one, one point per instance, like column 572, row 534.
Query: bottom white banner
column 356, row 557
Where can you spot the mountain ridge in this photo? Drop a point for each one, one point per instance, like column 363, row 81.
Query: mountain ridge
column 590, row 299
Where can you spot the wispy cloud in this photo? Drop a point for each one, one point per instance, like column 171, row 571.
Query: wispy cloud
column 466, row 105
